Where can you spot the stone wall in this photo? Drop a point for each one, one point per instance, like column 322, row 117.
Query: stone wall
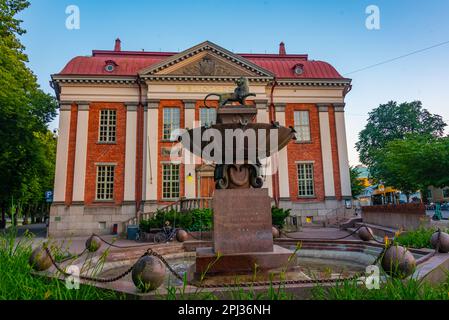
column 403, row 216
column 81, row 220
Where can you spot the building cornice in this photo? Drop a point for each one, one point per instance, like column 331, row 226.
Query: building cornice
column 202, row 78
column 94, row 79
column 313, row 82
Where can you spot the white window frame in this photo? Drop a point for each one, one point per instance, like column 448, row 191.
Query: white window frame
column 168, row 114
column 109, row 128
column 173, row 185
column 208, row 113
column 301, row 119
column 108, row 186
column 308, row 180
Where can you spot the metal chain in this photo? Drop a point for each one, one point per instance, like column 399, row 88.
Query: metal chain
column 198, row 284
column 93, row 279
column 258, row 283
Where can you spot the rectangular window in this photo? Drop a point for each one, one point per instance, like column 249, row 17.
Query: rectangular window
column 170, row 181
column 302, row 125
column 305, row 180
column 108, row 123
column 170, row 123
column 446, row 193
column 208, row 116
column 105, row 182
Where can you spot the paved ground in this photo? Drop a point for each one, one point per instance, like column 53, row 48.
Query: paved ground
column 39, row 230
column 77, row 244
column 444, row 213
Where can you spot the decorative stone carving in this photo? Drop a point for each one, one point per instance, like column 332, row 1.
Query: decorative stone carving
column 209, row 66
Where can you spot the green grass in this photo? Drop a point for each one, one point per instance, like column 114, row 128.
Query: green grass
column 18, row 283
column 392, row 289
column 419, row 238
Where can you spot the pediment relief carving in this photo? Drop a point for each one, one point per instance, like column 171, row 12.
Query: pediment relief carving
column 207, row 65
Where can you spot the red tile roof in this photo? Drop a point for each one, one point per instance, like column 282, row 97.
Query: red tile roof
column 131, row 62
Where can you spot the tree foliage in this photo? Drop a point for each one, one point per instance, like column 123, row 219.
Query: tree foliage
column 356, row 184
column 393, row 121
column 26, row 145
column 414, row 163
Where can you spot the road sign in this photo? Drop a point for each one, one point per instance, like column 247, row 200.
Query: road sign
column 49, row 196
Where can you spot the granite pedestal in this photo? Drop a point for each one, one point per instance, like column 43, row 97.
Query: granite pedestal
column 242, row 236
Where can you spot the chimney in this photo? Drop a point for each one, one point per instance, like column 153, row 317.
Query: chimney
column 282, row 49
column 118, row 45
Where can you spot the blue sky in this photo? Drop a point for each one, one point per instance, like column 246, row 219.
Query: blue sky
column 331, row 30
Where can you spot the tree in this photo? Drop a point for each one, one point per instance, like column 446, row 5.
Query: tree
column 414, row 163
column 356, row 184
column 25, row 111
column 392, row 122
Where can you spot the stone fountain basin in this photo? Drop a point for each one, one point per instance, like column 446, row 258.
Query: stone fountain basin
column 323, row 258
column 235, row 142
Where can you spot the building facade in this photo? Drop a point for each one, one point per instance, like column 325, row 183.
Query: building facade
column 119, row 108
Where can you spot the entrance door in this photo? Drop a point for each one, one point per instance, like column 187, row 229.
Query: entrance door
column 207, row 187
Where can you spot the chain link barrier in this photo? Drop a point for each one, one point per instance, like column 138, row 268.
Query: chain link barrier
column 199, row 284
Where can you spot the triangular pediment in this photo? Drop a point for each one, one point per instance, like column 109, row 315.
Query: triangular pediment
column 206, row 60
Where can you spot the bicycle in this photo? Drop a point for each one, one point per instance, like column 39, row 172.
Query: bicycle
column 167, row 234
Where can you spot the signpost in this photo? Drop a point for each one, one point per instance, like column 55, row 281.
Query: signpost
column 49, row 196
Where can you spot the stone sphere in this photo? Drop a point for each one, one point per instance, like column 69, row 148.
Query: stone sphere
column 444, row 241
column 148, row 274
column 398, row 262
column 93, row 243
column 365, row 233
column 275, row 232
column 182, row 235
column 39, row 259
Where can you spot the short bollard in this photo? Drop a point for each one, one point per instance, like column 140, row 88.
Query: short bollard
column 444, row 241
column 398, row 262
column 181, row 235
column 39, row 259
column 365, row 233
column 148, row 273
column 275, row 232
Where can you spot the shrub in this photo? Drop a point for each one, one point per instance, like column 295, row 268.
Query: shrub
column 278, row 216
column 194, row 220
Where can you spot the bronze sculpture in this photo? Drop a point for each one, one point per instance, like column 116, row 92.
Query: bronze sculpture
column 239, row 95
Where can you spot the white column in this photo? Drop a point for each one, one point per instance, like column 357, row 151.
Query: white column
column 263, row 117
column 342, row 150
column 284, row 188
column 130, row 152
column 145, row 153
column 326, row 151
column 62, row 153
column 189, row 168
column 79, row 175
column 151, row 141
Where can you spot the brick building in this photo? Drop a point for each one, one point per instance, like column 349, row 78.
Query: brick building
column 118, row 108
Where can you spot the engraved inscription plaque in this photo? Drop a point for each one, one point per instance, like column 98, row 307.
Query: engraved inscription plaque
column 242, row 221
